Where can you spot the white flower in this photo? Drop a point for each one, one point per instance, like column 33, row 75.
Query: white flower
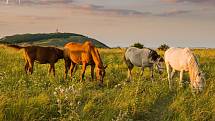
column 58, row 100
column 61, row 90
column 55, row 93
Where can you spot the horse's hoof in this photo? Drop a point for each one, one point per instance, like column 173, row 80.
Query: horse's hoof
column 101, row 85
column 152, row 79
column 128, row 80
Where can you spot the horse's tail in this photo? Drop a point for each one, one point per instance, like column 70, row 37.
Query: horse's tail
column 124, row 55
column 17, row 47
column 127, row 61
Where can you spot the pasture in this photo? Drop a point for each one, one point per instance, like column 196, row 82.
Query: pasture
column 41, row 96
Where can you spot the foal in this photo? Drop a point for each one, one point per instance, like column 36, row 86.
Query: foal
column 42, row 55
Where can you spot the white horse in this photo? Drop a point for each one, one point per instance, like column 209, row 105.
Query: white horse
column 179, row 59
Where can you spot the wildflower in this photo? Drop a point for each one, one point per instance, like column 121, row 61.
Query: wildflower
column 79, row 102
column 58, row 101
column 55, row 93
column 61, row 91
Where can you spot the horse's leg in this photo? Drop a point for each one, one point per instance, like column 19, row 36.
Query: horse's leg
column 172, row 73
column 152, row 75
column 169, row 77
column 92, row 71
column 67, row 66
column 181, row 78
column 142, row 71
column 51, row 68
column 83, row 71
column 130, row 67
column 31, row 65
column 26, row 64
column 26, row 67
column 71, row 69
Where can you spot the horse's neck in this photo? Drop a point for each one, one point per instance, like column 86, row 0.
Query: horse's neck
column 193, row 68
column 96, row 57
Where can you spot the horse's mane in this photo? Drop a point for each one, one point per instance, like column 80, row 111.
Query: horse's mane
column 94, row 53
column 193, row 65
column 96, row 57
column 153, row 54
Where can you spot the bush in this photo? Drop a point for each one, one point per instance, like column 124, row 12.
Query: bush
column 163, row 47
column 138, row 45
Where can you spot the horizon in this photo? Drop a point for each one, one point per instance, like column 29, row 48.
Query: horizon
column 153, row 47
column 178, row 23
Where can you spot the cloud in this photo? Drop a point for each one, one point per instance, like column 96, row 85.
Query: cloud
column 40, row 2
column 191, row 1
column 39, row 17
column 174, row 13
column 96, row 9
column 70, row 5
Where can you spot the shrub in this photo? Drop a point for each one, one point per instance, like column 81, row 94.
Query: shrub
column 138, row 45
column 163, row 47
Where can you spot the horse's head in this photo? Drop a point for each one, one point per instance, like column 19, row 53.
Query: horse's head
column 160, row 64
column 199, row 82
column 157, row 60
column 100, row 73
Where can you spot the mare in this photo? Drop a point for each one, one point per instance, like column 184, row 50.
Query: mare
column 84, row 54
column 144, row 57
column 42, row 55
column 182, row 59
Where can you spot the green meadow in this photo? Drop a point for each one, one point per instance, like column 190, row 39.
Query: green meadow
column 43, row 97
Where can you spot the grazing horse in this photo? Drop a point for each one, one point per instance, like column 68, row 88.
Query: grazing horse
column 142, row 58
column 85, row 54
column 179, row 59
column 42, row 55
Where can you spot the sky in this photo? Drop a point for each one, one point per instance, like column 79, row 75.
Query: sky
column 117, row 23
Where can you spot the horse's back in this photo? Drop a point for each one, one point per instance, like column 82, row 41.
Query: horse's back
column 177, row 52
column 44, row 54
column 137, row 56
column 178, row 58
column 78, row 52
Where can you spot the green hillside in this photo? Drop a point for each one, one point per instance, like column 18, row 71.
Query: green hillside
column 53, row 39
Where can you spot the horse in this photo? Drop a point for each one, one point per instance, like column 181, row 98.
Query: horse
column 84, row 54
column 40, row 54
column 182, row 59
column 144, row 57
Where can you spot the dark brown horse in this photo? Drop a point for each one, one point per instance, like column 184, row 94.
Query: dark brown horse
column 85, row 54
column 42, row 55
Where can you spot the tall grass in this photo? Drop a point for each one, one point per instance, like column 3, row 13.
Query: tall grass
column 41, row 96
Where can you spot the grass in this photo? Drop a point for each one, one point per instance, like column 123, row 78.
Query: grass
column 43, row 97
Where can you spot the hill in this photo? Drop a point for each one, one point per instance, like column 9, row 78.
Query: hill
column 53, row 39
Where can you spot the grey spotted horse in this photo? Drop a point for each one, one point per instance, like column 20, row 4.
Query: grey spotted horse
column 144, row 57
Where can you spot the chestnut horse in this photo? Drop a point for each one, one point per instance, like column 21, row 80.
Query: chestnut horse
column 85, row 54
column 42, row 55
